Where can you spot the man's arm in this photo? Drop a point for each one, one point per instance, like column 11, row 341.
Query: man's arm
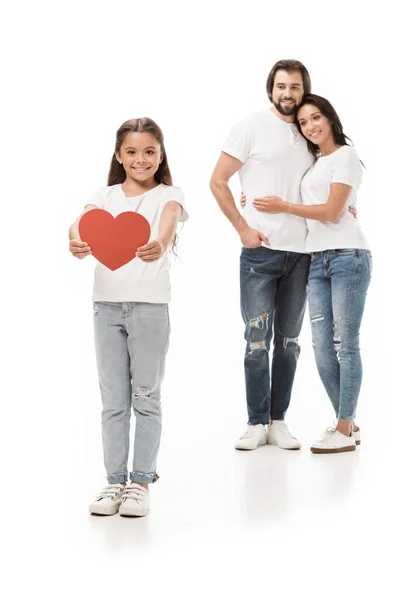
column 225, row 168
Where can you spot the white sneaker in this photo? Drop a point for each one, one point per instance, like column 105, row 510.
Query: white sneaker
column 334, row 441
column 254, row 436
column 357, row 437
column 356, row 434
column 135, row 501
column 108, row 501
column 279, row 435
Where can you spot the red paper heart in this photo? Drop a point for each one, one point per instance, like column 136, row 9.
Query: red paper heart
column 114, row 241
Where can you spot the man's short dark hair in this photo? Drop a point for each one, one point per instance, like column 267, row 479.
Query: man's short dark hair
column 289, row 66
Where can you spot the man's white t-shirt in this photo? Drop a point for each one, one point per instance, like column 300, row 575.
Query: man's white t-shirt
column 275, row 157
column 341, row 166
column 136, row 281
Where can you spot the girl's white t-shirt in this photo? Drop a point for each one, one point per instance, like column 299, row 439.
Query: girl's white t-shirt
column 136, row 281
column 341, row 166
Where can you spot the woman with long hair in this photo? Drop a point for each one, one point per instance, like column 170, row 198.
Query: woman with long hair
column 341, row 263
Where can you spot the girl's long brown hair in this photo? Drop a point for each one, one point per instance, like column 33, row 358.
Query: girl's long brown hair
column 117, row 173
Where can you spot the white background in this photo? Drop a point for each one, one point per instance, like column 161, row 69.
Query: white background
column 223, row 523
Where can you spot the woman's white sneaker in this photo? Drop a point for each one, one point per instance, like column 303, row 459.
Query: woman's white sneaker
column 135, row 501
column 333, row 441
column 357, row 437
column 279, row 435
column 254, row 436
column 108, row 501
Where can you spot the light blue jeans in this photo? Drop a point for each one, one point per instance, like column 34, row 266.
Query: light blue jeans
column 131, row 340
column 338, row 284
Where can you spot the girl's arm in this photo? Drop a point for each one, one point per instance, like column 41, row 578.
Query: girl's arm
column 78, row 248
column 166, row 231
column 330, row 211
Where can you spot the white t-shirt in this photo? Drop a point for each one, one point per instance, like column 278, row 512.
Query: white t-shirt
column 341, row 166
column 136, row 281
column 275, row 157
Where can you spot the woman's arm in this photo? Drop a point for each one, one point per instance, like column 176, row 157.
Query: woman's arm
column 166, row 231
column 330, row 211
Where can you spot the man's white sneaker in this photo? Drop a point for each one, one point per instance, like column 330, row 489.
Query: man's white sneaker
column 254, row 436
column 135, row 501
column 334, row 441
column 108, row 501
column 279, row 435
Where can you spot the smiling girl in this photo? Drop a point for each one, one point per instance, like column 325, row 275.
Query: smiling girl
column 131, row 321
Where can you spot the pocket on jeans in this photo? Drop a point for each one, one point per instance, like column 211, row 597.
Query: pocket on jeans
column 346, row 251
column 252, row 249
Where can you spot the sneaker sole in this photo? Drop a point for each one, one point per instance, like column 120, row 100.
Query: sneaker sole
column 262, row 442
column 332, row 450
column 104, row 512
column 134, row 514
column 282, row 447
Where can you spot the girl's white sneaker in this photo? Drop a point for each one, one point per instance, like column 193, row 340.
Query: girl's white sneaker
column 108, row 501
column 135, row 501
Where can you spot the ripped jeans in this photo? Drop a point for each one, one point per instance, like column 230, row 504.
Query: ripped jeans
column 273, row 299
column 131, row 340
column 338, row 285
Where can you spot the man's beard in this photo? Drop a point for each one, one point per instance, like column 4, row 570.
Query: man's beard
column 286, row 110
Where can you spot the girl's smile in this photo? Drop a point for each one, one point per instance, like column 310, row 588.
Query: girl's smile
column 140, row 155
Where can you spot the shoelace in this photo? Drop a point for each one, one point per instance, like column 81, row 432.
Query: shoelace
column 133, row 492
column 110, row 491
column 328, row 432
column 283, row 429
column 248, row 432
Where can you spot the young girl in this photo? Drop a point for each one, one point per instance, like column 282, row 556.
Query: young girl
column 131, row 322
column 341, row 264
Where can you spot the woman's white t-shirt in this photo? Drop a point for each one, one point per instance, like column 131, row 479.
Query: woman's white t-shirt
column 341, row 166
column 136, row 281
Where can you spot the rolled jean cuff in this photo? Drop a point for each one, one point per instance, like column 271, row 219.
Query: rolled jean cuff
column 138, row 477
column 347, row 418
column 119, row 478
